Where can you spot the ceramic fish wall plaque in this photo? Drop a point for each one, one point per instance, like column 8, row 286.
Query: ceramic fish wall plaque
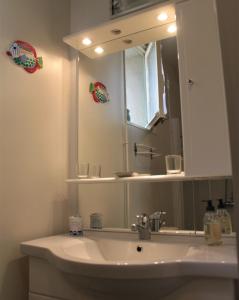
column 24, row 55
column 99, row 92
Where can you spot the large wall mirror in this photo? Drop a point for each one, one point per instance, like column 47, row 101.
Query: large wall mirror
column 153, row 102
column 144, row 112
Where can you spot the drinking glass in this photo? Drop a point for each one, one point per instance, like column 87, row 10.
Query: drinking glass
column 173, row 164
column 84, row 170
column 95, row 171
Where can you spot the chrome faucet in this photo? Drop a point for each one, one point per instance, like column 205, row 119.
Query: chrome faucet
column 142, row 226
column 157, row 220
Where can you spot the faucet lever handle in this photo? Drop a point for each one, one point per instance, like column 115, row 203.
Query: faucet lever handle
column 134, row 227
column 139, row 219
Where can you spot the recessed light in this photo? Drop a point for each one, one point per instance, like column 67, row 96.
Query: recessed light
column 128, row 41
column 86, row 41
column 116, row 31
column 99, row 50
column 172, row 28
column 162, row 17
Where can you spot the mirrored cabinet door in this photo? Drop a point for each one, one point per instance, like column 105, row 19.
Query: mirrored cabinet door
column 203, row 101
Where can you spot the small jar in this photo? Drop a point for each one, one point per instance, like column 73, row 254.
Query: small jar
column 96, row 221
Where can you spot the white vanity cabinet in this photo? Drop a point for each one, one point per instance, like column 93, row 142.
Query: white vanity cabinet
column 203, row 101
column 40, row 297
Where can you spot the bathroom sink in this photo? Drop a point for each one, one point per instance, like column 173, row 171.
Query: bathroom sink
column 123, row 252
column 116, row 265
column 123, row 256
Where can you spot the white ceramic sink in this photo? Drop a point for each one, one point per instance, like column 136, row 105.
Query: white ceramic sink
column 112, row 251
column 123, row 256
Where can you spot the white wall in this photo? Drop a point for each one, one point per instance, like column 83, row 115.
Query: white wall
column 33, row 135
column 100, row 130
column 228, row 15
column 85, row 14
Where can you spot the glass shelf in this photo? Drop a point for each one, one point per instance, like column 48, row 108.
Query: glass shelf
column 148, row 178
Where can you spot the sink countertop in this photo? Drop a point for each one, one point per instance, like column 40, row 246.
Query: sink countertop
column 122, row 255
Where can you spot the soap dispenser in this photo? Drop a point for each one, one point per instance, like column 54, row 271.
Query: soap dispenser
column 224, row 217
column 212, row 226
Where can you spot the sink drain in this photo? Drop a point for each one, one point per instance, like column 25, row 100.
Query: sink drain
column 139, row 249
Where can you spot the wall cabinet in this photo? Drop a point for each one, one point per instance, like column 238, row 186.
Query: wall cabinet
column 203, row 101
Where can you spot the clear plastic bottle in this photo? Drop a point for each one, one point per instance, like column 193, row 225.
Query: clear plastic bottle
column 75, row 225
column 224, row 217
column 212, row 226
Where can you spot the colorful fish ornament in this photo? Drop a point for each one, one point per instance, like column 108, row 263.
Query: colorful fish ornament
column 24, row 55
column 99, row 92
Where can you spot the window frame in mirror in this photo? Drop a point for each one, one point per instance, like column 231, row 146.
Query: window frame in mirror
column 160, row 114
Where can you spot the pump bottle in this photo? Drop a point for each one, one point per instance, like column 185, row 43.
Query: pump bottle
column 224, row 218
column 212, row 226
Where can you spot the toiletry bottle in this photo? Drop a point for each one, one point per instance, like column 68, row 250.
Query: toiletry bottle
column 75, row 225
column 224, row 218
column 212, row 226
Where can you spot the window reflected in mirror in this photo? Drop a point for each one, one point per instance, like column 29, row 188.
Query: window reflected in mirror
column 147, row 81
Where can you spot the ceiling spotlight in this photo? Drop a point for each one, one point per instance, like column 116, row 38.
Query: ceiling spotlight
column 162, row 17
column 116, row 31
column 86, row 41
column 99, row 50
column 128, row 41
column 172, row 28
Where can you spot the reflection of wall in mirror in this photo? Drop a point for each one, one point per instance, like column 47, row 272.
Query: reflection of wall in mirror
column 100, row 131
column 166, row 138
column 120, row 6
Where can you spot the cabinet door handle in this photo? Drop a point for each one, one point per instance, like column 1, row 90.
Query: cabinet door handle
column 189, row 82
